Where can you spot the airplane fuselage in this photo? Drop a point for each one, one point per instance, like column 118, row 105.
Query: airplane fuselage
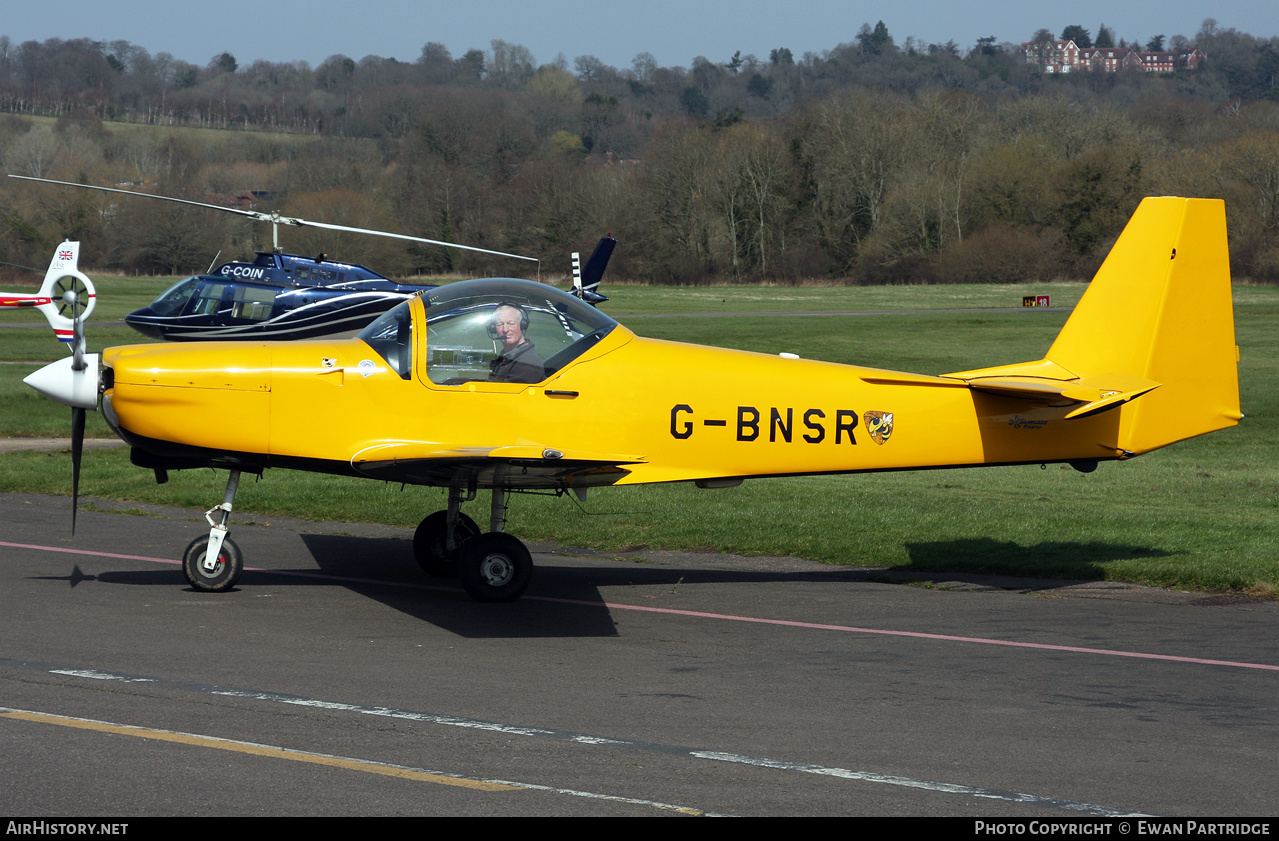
column 710, row 414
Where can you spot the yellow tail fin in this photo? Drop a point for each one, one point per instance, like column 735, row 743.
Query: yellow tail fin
column 1153, row 334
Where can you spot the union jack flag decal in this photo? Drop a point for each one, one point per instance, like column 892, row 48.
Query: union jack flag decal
column 65, row 254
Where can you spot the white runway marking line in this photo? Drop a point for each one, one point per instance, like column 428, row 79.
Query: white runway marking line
column 94, row 674
column 947, row 788
column 585, row 739
column 776, row 764
column 364, row 765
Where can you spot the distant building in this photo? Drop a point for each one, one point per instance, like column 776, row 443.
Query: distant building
column 1053, row 56
column 1067, row 57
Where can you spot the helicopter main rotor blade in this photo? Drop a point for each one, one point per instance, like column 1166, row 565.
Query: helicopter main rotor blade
column 304, row 223
column 276, row 219
column 253, row 214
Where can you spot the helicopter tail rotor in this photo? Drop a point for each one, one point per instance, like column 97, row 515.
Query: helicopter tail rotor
column 67, row 295
column 73, row 380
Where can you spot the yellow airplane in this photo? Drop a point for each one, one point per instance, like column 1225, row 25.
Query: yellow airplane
column 513, row 385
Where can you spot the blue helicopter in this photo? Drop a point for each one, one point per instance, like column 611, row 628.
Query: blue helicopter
column 288, row 296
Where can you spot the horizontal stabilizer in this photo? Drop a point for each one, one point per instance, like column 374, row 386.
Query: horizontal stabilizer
column 1089, row 395
column 1044, row 383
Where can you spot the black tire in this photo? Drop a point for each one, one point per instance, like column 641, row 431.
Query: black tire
column 230, row 565
column 494, row 567
column 428, row 543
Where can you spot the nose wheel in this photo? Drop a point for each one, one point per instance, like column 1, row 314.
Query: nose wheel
column 224, row 571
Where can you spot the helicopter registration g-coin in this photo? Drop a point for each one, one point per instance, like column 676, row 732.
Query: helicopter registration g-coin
column 1146, row 359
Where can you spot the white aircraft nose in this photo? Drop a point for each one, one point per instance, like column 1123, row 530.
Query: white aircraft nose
column 77, row 389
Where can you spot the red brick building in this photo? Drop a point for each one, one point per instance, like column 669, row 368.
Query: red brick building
column 1066, row 57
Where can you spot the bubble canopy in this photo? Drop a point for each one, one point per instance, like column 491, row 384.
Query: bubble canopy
column 463, row 337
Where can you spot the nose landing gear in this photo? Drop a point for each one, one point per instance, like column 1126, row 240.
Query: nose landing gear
column 213, row 562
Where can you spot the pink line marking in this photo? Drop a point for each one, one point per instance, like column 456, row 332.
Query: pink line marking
column 95, row 553
column 919, row 635
column 697, row 614
column 297, row 573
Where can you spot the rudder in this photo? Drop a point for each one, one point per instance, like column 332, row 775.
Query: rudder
column 1160, row 308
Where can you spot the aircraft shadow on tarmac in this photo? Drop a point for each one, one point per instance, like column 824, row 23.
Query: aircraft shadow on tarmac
column 141, row 577
column 443, row 603
column 1058, row 563
column 381, row 567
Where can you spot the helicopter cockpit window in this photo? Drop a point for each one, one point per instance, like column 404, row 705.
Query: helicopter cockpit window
column 209, row 298
column 511, row 331
column 392, row 337
column 174, row 299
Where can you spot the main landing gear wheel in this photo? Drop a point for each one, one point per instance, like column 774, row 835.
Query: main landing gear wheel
column 494, row 567
column 428, row 543
column 223, row 578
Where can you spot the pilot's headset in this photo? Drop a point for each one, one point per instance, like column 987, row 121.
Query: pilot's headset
column 492, row 322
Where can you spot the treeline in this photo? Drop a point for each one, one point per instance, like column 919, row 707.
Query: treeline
column 870, row 163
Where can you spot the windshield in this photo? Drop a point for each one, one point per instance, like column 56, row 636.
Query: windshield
column 173, row 299
column 504, row 330
column 392, row 337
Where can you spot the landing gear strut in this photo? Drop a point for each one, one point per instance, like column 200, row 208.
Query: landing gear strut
column 435, row 553
column 213, row 563
column 493, row 567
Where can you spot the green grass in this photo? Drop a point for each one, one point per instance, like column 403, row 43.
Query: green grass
column 1201, row 514
column 627, row 300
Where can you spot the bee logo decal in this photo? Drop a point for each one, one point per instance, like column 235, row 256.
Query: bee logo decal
column 879, row 425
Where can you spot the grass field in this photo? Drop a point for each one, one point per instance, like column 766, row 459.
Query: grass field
column 1201, row 514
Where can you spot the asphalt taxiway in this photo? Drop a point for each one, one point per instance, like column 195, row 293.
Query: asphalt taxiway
column 337, row 679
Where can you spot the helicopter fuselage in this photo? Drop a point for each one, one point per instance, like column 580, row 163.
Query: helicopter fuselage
column 277, row 296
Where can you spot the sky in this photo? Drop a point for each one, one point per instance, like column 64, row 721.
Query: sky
column 674, row 31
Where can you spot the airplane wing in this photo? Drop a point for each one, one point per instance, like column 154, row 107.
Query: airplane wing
column 525, row 465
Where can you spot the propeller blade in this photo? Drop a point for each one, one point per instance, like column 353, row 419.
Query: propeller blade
column 78, row 363
column 77, row 450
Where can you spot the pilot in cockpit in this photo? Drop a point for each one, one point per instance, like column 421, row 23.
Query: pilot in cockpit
column 518, row 362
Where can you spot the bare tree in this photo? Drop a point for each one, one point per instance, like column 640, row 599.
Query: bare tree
column 510, row 66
